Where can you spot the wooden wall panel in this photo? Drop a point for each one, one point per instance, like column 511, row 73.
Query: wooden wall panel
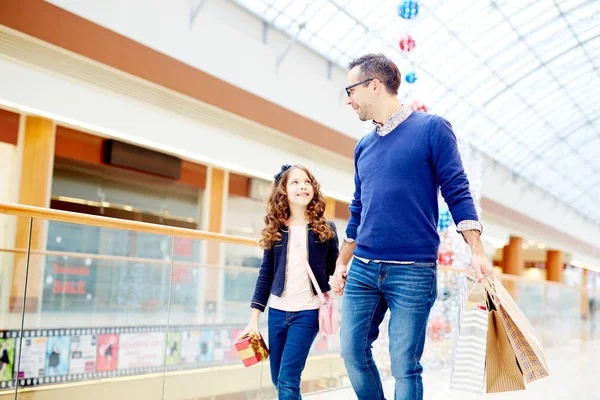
column 239, row 185
column 87, row 148
column 34, row 190
column 9, row 127
column 342, row 211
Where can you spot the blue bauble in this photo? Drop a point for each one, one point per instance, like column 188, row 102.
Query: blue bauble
column 445, row 220
column 411, row 77
column 409, row 9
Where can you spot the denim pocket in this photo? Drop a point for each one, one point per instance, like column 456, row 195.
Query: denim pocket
column 412, row 285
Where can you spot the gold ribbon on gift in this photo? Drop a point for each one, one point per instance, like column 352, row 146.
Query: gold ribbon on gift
column 257, row 346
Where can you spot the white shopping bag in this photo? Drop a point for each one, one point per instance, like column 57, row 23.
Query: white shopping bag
column 468, row 359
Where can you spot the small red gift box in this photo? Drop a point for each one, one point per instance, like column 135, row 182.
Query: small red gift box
column 252, row 349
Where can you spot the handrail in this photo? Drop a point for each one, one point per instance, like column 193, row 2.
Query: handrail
column 21, row 210
column 141, row 260
column 115, row 223
column 191, row 264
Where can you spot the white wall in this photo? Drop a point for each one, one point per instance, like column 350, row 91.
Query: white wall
column 132, row 120
column 226, row 41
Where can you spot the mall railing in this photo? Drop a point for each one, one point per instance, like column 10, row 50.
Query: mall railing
column 93, row 306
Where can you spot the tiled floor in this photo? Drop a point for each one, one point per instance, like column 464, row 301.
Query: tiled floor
column 574, row 375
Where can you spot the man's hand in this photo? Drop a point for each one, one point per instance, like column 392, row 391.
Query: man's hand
column 479, row 262
column 337, row 281
column 482, row 266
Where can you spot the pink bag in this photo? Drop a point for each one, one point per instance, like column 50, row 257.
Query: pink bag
column 329, row 309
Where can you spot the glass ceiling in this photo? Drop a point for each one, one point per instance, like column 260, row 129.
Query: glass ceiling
column 520, row 81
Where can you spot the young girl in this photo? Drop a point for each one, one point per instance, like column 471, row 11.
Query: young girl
column 295, row 229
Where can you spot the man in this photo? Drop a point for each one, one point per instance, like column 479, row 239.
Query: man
column 392, row 231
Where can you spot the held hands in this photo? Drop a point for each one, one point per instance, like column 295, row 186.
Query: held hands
column 482, row 267
column 337, row 281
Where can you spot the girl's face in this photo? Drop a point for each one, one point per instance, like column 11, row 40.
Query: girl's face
column 299, row 188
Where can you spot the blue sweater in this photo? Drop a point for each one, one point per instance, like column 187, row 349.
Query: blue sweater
column 394, row 212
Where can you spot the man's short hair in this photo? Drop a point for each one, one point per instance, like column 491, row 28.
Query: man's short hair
column 380, row 67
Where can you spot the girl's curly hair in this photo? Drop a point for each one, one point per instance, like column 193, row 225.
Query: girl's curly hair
column 278, row 210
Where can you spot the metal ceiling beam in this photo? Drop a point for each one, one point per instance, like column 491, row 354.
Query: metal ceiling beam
column 549, row 71
column 503, row 50
column 585, row 181
column 525, row 102
column 281, row 11
column 516, row 93
column 564, row 17
column 521, row 113
column 195, row 7
column 289, row 46
column 533, row 70
column 521, row 165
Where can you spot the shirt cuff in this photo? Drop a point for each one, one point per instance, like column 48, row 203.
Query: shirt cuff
column 469, row 225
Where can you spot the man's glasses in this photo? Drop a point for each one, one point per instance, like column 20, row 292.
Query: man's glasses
column 356, row 84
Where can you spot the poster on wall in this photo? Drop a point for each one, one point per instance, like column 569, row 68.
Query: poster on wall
column 33, row 358
column 7, row 360
column 108, row 352
column 83, row 354
column 190, row 347
column 57, row 355
column 173, row 348
column 207, row 346
column 141, row 350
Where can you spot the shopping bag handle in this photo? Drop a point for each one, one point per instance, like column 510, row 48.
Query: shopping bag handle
column 490, row 288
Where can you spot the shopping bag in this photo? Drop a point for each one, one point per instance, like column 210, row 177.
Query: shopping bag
column 502, row 371
column 468, row 358
column 526, row 346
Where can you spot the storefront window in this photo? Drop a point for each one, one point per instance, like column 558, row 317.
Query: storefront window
column 91, row 268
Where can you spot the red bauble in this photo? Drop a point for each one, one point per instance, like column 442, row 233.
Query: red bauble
column 445, row 257
column 438, row 328
column 418, row 106
column 407, row 43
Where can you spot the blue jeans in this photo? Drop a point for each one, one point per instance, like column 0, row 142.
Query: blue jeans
column 409, row 291
column 291, row 335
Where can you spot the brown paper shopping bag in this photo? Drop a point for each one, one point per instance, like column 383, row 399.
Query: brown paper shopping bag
column 527, row 347
column 502, row 372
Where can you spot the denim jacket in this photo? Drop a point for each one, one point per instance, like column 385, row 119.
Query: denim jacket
column 322, row 257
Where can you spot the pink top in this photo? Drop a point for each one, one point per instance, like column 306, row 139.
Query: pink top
column 297, row 294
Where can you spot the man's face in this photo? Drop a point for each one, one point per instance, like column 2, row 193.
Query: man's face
column 361, row 96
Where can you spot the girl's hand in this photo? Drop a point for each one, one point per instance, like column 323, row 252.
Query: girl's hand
column 251, row 327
